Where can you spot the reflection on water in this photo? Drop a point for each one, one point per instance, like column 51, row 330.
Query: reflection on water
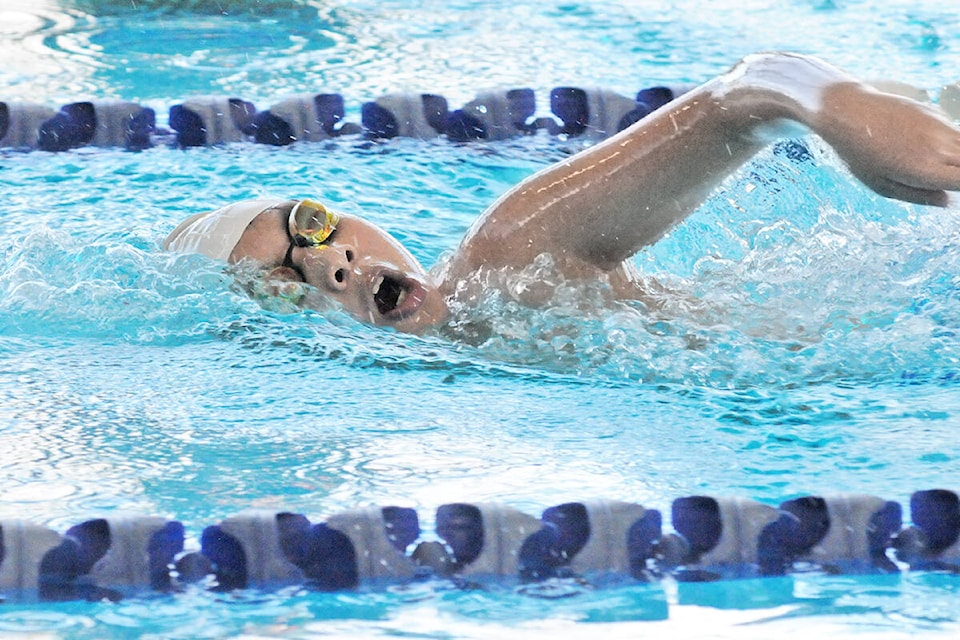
column 46, row 51
column 771, row 608
column 62, row 50
column 63, row 451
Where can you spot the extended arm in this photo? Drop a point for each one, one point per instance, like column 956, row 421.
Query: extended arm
column 602, row 205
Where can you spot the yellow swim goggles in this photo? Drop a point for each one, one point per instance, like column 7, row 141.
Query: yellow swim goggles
column 310, row 224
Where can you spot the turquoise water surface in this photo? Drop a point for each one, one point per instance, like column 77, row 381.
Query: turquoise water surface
column 823, row 354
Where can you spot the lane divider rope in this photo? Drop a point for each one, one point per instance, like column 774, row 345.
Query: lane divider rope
column 712, row 538
column 215, row 120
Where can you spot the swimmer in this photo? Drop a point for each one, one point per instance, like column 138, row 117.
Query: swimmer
column 594, row 210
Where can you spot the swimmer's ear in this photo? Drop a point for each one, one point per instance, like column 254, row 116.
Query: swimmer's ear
column 285, row 274
column 281, row 282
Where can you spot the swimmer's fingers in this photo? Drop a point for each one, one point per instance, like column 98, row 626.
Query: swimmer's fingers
column 899, row 191
column 935, row 162
column 919, row 177
column 922, row 168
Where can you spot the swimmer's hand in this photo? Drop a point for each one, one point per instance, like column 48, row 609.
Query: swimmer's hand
column 898, row 147
column 281, row 282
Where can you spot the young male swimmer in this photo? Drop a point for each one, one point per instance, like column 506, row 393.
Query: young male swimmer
column 593, row 211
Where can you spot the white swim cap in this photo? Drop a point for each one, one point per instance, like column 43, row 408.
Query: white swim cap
column 216, row 233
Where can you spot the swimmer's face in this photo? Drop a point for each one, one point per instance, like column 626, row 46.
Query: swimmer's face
column 372, row 276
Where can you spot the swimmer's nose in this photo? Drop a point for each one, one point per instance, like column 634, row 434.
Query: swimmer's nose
column 339, row 266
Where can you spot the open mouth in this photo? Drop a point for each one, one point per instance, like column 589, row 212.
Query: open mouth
column 397, row 297
column 388, row 293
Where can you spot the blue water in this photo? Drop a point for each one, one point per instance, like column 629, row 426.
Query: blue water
column 822, row 354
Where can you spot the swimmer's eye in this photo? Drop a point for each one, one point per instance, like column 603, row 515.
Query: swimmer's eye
column 311, row 224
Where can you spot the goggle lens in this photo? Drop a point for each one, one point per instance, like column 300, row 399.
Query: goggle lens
column 311, row 223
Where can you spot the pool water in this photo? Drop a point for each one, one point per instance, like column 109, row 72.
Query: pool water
column 822, row 354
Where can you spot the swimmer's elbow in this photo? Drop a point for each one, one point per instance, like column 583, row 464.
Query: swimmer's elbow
column 767, row 92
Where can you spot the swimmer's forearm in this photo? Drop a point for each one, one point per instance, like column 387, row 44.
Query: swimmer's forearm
column 607, row 202
column 604, row 204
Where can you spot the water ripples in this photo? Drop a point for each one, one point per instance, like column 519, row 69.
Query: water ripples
column 875, row 282
column 271, row 48
column 208, row 372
